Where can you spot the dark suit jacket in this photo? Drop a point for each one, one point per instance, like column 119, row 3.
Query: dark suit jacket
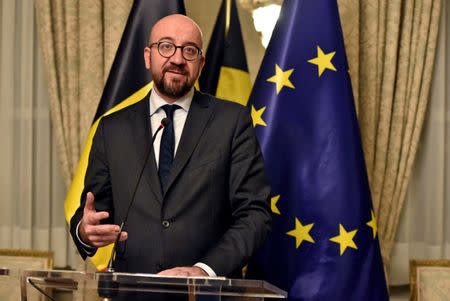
column 215, row 208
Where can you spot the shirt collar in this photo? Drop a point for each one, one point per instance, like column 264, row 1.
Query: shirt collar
column 157, row 101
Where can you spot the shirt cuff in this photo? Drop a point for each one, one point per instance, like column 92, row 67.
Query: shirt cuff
column 206, row 268
column 87, row 248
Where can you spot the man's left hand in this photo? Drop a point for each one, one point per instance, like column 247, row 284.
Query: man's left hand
column 184, row 271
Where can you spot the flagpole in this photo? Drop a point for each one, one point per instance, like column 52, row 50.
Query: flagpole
column 227, row 17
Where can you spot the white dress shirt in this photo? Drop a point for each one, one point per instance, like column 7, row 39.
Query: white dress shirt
column 179, row 119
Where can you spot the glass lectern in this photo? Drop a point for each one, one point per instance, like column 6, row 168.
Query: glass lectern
column 124, row 286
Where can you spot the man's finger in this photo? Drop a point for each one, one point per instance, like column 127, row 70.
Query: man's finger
column 99, row 244
column 102, row 230
column 105, row 239
column 169, row 272
column 110, row 238
column 89, row 205
column 123, row 236
column 94, row 218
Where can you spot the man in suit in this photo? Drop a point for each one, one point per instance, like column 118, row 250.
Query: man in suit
column 201, row 207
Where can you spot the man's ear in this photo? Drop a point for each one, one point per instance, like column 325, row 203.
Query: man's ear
column 202, row 63
column 147, row 57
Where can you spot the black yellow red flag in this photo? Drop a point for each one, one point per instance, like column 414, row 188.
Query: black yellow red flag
column 225, row 74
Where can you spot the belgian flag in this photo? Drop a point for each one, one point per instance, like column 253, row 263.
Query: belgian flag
column 225, row 74
column 128, row 82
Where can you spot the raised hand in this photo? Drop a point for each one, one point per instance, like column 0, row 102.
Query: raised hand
column 93, row 233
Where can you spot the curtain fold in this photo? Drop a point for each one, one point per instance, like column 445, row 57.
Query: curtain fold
column 79, row 40
column 391, row 47
column 31, row 186
column 424, row 229
column 421, row 64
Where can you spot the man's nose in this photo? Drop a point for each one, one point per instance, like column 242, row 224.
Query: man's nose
column 177, row 57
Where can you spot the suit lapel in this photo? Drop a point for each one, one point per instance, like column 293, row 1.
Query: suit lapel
column 198, row 116
column 141, row 131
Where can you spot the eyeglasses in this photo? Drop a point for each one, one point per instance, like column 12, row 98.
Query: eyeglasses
column 168, row 49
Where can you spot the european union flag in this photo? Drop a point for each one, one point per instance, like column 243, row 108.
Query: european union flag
column 323, row 244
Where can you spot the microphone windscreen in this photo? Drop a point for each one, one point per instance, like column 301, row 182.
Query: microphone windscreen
column 165, row 122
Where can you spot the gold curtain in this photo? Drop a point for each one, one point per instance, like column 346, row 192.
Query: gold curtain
column 390, row 47
column 79, row 39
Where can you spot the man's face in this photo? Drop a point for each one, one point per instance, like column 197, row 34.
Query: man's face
column 174, row 76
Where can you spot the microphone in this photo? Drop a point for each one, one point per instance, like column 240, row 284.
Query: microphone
column 105, row 285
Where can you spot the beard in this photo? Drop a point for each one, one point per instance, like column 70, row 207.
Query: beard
column 174, row 88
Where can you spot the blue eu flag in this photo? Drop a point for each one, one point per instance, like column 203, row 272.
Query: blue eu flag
column 324, row 243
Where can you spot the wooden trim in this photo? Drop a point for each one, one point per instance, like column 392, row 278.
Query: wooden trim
column 29, row 253
column 414, row 264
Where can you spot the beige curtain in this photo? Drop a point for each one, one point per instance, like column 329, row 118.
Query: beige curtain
column 391, row 47
column 424, row 229
column 31, row 186
column 79, row 39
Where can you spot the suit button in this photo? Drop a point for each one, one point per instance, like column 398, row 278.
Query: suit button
column 166, row 224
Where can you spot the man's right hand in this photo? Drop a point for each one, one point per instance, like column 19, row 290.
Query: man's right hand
column 92, row 232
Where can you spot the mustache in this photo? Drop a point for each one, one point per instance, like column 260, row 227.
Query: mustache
column 176, row 69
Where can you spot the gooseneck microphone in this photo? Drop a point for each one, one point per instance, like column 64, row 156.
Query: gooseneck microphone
column 106, row 286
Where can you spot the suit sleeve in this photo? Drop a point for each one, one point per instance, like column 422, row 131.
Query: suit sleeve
column 97, row 180
column 249, row 195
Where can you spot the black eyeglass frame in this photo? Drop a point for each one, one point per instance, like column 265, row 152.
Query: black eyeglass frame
column 175, row 49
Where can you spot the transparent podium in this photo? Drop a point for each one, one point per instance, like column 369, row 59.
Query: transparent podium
column 124, row 286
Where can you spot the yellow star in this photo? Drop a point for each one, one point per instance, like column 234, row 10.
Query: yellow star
column 345, row 239
column 301, row 233
column 257, row 116
column 373, row 224
column 323, row 61
column 273, row 204
column 281, row 78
